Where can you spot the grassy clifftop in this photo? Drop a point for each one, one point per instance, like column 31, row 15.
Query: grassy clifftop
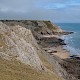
column 34, row 24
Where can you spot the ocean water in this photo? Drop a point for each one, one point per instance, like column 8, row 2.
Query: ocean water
column 72, row 40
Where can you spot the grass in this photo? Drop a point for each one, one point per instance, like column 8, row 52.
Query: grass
column 49, row 66
column 49, row 25
column 2, row 43
column 14, row 70
column 46, row 63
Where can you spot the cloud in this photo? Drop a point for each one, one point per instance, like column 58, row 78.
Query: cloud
column 54, row 10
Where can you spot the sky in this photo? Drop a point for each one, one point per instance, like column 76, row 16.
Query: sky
column 64, row 11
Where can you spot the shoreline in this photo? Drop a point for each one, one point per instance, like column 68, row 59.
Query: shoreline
column 58, row 51
column 69, row 62
column 54, row 45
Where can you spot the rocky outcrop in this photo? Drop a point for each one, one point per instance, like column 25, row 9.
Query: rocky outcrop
column 72, row 66
column 17, row 42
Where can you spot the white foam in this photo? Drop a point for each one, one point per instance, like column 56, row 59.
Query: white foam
column 71, row 37
column 72, row 50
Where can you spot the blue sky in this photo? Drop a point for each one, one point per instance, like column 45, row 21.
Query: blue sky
column 54, row 10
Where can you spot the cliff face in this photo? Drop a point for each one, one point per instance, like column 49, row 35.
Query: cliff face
column 20, row 53
column 17, row 42
column 26, row 52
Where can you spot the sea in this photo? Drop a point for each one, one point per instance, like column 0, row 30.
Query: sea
column 72, row 40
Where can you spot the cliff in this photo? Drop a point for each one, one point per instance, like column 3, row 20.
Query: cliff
column 20, row 56
column 28, row 51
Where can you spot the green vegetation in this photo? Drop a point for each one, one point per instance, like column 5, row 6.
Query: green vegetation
column 50, row 26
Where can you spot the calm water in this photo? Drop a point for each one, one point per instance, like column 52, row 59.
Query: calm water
column 72, row 40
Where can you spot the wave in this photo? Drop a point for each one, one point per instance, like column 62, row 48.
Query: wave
column 72, row 50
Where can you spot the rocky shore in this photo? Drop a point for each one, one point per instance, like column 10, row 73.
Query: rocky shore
column 53, row 45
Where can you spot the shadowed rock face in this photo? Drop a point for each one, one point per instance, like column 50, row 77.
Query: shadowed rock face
column 72, row 66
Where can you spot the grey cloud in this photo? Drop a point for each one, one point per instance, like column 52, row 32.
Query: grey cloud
column 28, row 9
